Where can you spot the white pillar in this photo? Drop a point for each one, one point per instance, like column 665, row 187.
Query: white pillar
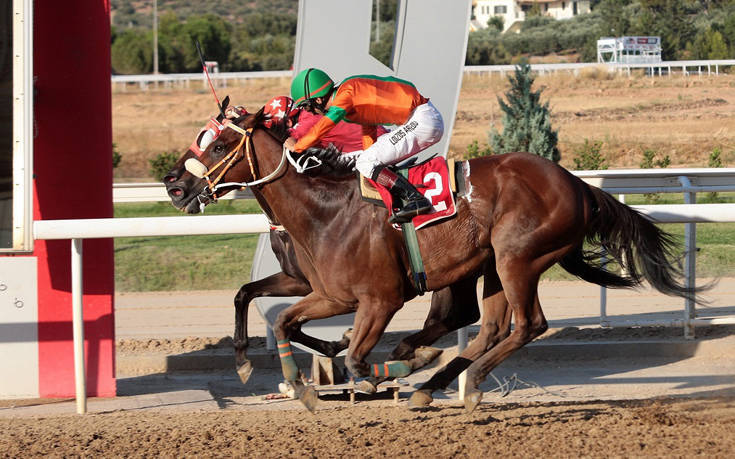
column 80, row 379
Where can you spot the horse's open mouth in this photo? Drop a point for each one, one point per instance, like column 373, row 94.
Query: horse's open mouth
column 191, row 203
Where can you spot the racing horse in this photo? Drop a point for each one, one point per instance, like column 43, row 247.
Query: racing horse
column 521, row 215
column 448, row 312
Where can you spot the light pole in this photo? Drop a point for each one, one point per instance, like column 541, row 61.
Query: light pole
column 155, row 37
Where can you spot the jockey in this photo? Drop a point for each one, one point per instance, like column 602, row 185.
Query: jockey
column 371, row 101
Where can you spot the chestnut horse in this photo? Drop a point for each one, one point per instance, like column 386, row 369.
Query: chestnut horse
column 448, row 312
column 521, row 215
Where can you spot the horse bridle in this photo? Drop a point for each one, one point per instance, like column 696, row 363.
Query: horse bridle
column 198, row 169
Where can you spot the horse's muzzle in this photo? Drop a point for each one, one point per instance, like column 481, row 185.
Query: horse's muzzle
column 188, row 198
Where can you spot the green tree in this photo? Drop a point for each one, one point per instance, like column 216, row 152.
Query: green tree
column 708, row 45
column 132, row 53
column 496, row 22
column 526, row 121
column 669, row 19
column 213, row 35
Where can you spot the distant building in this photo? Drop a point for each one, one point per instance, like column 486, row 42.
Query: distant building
column 513, row 12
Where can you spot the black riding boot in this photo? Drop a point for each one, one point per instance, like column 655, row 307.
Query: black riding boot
column 402, row 191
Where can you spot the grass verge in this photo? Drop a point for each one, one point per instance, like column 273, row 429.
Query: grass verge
column 214, row 262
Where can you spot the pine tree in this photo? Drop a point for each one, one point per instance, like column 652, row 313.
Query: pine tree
column 526, row 122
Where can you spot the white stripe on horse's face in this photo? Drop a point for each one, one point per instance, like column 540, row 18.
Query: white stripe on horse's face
column 195, row 167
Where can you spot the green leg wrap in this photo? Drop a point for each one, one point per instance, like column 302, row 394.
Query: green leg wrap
column 288, row 363
column 397, row 369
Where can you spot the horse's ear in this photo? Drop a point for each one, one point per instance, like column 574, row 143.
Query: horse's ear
column 223, row 106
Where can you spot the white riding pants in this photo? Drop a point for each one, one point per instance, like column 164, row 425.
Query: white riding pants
column 423, row 129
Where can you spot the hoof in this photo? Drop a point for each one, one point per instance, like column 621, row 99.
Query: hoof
column 244, row 371
column 307, row 395
column 471, row 400
column 286, row 389
column 423, row 356
column 420, row 399
column 365, row 387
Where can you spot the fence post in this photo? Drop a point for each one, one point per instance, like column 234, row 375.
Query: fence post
column 690, row 260
column 461, row 346
column 80, row 375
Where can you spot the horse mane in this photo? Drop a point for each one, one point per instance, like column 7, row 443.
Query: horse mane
column 278, row 129
column 333, row 162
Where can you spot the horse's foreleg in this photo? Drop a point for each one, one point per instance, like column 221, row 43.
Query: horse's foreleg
column 370, row 322
column 278, row 284
column 495, row 326
column 311, row 307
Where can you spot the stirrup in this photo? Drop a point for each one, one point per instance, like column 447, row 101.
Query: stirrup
column 404, row 215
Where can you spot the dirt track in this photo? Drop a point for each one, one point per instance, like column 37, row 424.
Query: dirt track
column 650, row 428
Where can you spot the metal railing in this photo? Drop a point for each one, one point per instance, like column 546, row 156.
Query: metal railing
column 685, row 67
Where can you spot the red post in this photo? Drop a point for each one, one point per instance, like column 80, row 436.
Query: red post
column 73, row 179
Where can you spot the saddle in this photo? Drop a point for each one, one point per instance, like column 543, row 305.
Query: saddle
column 436, row 178
column 439, row 180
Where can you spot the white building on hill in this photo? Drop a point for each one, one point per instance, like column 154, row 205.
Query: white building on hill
column 514, row 11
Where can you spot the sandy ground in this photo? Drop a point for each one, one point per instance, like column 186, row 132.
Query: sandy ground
column 665, row 427
column 558, row 409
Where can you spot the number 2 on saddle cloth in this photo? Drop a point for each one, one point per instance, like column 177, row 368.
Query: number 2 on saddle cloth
column 433, row 180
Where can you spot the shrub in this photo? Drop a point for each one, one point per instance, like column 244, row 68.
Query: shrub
column 473, row 150
column 651, row 161
column 116, row 156
column 589, row 156
column 714, row 161
column 161, row 164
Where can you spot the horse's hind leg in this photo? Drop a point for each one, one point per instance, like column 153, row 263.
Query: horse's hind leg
column 495, row 326
column 452, row 308
column 520, row 282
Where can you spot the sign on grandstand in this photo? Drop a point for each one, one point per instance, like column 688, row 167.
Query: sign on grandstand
column 629, row 50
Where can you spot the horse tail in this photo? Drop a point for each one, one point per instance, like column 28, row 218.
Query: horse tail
column 637, row 245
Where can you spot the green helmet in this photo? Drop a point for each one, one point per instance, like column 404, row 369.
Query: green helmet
column 310, row 83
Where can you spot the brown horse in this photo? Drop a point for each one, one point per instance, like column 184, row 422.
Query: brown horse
column 521, row 215
column 448, row 312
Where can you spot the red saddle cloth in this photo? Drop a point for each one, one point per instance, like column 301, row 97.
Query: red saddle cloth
column 432, row 180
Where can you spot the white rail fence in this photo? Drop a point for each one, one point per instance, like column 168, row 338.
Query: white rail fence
column 689, row 181
column 708, row 67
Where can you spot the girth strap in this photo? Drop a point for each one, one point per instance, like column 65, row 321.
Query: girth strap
column 416, row 263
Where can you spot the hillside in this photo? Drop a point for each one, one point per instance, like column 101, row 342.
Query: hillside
column 684, row 118
column 260, row 34
column 127, row 13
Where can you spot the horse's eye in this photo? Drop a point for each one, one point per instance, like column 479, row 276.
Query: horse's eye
column 219, row 149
